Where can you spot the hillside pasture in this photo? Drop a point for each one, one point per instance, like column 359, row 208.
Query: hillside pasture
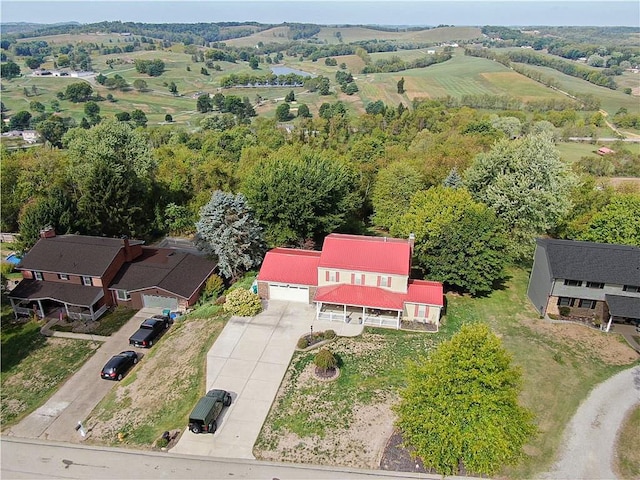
column 271, row 35
column 434, row 35
column 611, row 100
column 75, row 38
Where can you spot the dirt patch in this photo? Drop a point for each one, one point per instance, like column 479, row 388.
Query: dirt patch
column 608, row 347
column 361, row 445
column 163, row 377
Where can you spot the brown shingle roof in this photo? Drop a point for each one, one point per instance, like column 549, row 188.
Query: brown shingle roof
column 73, row 254
column 73, row 294
column 177, row 272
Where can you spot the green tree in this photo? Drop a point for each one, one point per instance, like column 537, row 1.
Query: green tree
column 173, row 88
column 290, row 97
column 400, row 86
column 92, row 111
column 111, row 169
column 204, row 103
column 527, row 184
column 20, row 120
column 140, row 85
column 9, row 70
column 52, row 130
column 36, row 106
column 228, row 230
column 460, row 406
column 457, row 241
column 283, row 112
column 303, row 111
column 55, row 210
column 618, row 222
column 299, row 194
column 253, row 63
column 392, row 192
column 78, row 92
column 139, row 118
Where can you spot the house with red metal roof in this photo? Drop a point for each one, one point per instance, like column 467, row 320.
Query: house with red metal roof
column 354, row 278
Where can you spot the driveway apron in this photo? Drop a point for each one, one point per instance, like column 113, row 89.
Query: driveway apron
column 78, row 396
column 249, row 359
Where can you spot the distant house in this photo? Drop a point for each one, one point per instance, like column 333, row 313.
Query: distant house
column 82, row 276
column 594, row 280
column 354, row 278
column 30, row 136
column 605, row 151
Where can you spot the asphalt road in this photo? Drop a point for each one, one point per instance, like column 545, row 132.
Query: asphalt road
column 37, row 459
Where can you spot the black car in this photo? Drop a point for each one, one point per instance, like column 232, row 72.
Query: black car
column 118, row 365
column 149, row 331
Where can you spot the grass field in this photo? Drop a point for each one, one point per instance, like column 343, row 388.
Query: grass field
column 34, row 366
column 628, row 446
column 611, row 100
column 560, row 365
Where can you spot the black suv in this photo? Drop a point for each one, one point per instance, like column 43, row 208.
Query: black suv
column 204, row 416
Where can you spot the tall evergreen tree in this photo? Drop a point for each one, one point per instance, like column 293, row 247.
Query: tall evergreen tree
column 228, row 230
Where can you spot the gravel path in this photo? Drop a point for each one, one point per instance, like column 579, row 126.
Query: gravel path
column 588, row 444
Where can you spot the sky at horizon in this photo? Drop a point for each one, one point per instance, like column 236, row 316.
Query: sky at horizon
column 364, row 12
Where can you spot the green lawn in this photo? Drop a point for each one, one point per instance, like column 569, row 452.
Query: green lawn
column 34, row 366
column 557, row 374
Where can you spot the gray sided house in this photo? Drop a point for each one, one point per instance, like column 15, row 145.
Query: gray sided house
column 594, row 280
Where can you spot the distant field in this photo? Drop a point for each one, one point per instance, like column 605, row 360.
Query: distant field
column 435, row 35
column 356, row 34
column 611, row 100
column 63, row 39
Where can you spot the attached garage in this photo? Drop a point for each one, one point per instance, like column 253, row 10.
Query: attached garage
column 157, row 301
column 289, row 293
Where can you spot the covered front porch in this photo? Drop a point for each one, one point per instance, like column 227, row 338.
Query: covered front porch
column 358, row 314
column 77, row 302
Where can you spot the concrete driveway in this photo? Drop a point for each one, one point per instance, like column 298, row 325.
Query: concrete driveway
column 74, row 401
column 249, row 359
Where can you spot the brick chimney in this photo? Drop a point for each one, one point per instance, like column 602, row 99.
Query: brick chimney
column 47, row 232
column 128, row 254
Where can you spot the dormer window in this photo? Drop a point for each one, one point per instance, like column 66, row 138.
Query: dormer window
column 87, row 281
column 63, row 276
column 631, row 288
column 573, row 283
column 595, row 285
column 37, row 275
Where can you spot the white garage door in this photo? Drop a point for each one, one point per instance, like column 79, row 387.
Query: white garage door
column 156, row 301
column 291, row 293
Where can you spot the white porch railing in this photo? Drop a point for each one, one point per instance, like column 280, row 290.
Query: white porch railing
column 26, row 311
column 88, row 316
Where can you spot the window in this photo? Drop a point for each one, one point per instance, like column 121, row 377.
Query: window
column 573, row 283
column 123, row 295
column 357, row 279
column 37, row 275
column 565, row 302
column 587, row 304
column 87, row 281
column 63, row 276
column 384, row 281
column 595, row 285
column 631, row 288
column 421, row 311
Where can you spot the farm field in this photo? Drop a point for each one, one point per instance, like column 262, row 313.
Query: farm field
column 611, row 100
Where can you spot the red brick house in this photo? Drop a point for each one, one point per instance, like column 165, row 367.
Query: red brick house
column 354, row 278
column 82, row 276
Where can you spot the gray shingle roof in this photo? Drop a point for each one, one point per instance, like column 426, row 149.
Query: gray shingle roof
column 593, row 262
column 176, row 272
column 620, row 306
column 73, row 254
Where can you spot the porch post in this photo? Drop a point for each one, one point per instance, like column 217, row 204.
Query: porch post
column 318, row 308
column 344, row 313
column 13, row 307
column 609, row 324
column 41, row 308
column 66, row 309
column 364, row 319
column 91, row 312
column 398, row 321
